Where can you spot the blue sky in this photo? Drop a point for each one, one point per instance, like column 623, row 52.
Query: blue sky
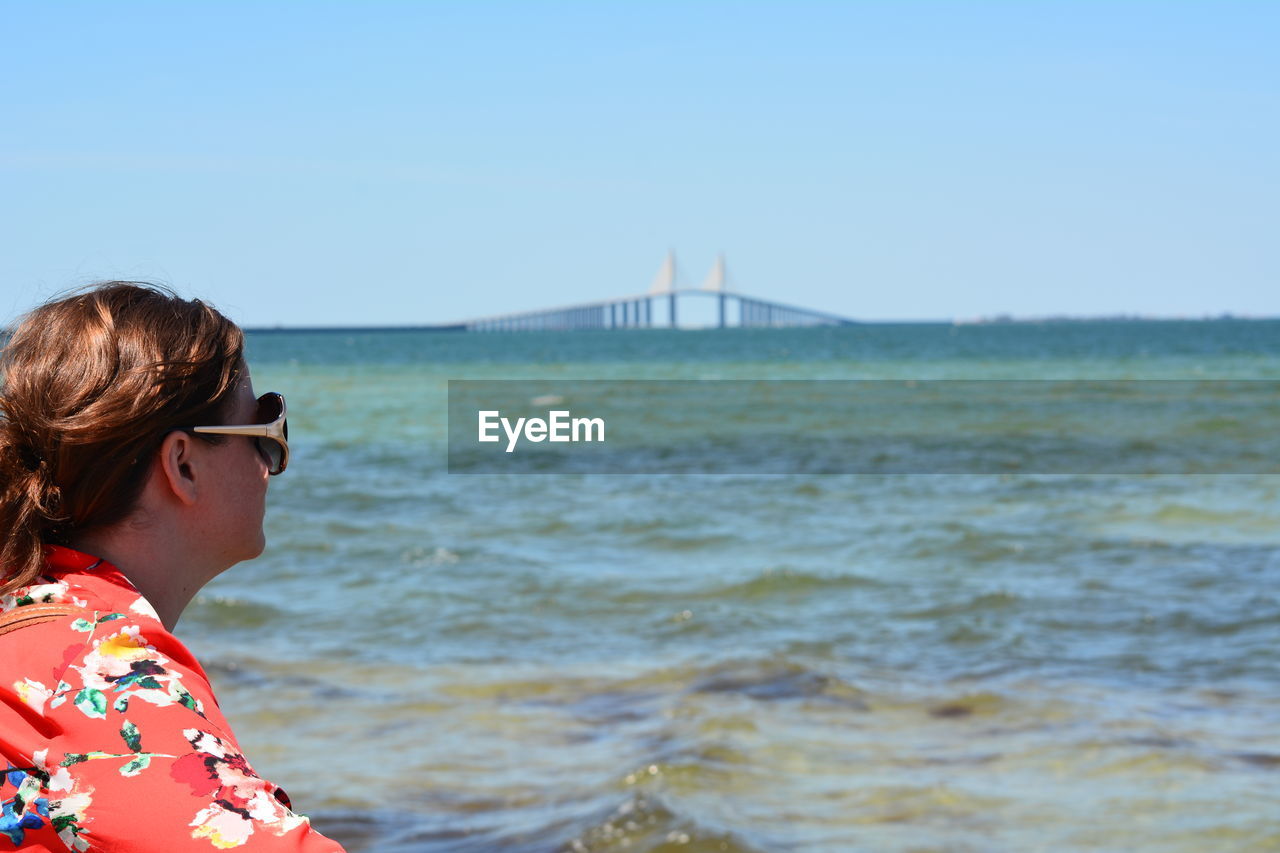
column 373, row 163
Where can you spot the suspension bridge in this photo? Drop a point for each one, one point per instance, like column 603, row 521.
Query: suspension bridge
column 659, row 308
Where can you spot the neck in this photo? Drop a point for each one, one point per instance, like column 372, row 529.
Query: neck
column 156, row 565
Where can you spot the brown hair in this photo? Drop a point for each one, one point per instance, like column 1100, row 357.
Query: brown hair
column 92, row 383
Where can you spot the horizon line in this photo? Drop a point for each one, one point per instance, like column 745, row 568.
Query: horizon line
column 995, row 320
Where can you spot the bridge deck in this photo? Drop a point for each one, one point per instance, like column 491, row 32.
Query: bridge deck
column 636, row 312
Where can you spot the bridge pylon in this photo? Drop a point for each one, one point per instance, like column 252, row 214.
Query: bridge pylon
column 636, row 312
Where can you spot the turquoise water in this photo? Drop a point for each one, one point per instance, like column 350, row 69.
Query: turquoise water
column 442, row 662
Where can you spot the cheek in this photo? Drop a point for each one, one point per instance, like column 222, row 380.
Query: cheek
column 250, row 515
column 256, row 489
column 251, row 485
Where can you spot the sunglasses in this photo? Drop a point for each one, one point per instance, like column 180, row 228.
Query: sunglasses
column 270, row 434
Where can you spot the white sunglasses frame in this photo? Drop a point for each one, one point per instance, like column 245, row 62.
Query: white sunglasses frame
column 277, row 430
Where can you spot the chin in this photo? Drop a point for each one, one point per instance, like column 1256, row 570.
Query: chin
column 251, row 550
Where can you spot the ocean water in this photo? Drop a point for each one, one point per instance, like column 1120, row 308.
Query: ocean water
column 430, row 661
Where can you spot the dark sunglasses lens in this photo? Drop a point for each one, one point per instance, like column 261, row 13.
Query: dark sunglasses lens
column 272, row 452
column 269, row 407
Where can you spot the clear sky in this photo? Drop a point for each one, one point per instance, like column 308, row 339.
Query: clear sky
column 396, row 162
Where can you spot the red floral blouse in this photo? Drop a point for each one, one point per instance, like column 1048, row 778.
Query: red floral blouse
column 111, row 738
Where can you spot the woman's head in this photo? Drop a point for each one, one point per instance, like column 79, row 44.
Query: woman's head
column 91, row 385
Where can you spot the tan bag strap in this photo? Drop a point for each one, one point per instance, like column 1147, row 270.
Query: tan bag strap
column 32, row 614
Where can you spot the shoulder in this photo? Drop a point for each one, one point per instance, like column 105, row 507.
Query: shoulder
column 102, row 648
column 40, row 625
column 126, row 662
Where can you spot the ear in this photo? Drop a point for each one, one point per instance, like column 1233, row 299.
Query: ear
column 176, row 466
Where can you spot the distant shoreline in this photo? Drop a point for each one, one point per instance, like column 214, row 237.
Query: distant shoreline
column 451, row 327
column 1006, row 319
column 998, row 320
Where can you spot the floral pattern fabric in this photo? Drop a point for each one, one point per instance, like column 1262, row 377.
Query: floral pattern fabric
column 111, row 738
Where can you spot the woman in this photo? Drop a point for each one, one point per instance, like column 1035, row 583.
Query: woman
column 134, row 460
